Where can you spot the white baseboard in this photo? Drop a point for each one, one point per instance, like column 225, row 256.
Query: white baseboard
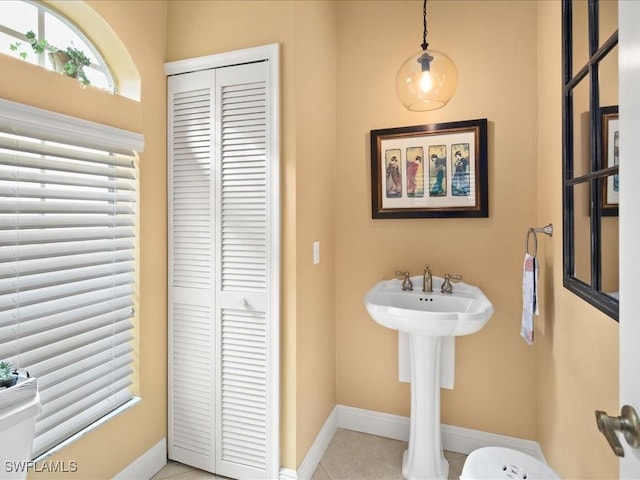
column 454, row 439
column 288, row 474
column 146, row 465
column 375, row 423
column 465, row 440
column 319, row 446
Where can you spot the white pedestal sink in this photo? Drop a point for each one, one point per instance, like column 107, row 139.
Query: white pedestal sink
column 427, row 317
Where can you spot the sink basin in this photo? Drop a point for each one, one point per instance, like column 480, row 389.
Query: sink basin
column 462, row 312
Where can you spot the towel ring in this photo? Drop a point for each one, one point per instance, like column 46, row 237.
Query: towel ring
column 547, row 230
column 535, row 243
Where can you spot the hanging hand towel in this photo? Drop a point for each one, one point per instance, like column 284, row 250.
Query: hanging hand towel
column 529, row 297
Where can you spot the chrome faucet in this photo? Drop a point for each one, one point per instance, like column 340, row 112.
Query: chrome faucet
column 427, row 283
column 446, row 285
column 406, row 283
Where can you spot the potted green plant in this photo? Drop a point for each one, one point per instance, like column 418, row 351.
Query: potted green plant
column 70, row 61
column 8, row 376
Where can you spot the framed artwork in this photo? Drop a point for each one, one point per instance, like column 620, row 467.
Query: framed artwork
column 430, row 171
column 610, row 159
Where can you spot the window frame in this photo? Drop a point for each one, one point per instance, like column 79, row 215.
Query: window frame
column 590, row 292
column 99, row 62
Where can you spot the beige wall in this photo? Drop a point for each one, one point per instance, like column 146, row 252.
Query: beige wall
column 107, row 450
column 315, row 97
column 577, row 345
column 497, row 81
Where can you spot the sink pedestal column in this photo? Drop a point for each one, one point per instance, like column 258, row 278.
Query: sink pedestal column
column 424, row 459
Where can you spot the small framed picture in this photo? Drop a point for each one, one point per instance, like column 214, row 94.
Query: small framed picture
column 610, row 159
column 428, row 171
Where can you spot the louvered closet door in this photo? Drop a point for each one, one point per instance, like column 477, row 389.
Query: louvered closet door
column 244, row 436
column 223, row 272
column 192, row 358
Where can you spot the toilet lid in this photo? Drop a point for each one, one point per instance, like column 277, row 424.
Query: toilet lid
column 496, row 463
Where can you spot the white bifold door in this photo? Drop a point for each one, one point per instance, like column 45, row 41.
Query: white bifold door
column 223, row 270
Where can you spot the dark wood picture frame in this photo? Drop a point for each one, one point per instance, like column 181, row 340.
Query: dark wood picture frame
column 610, row 131
column 430, row 171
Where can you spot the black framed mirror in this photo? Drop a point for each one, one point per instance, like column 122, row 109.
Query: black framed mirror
column 590, row 151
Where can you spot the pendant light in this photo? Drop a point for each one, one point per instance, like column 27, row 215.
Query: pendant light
column 427, row 79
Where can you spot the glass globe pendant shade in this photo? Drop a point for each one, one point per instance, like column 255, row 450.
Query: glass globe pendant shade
column 426, row 81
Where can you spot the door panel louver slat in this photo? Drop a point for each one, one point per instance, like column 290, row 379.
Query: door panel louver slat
column 243, row 190
column 192, row 339
column 244, row 364
column 191, row 151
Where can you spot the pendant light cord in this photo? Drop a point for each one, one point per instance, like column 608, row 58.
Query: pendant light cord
column 424, row 45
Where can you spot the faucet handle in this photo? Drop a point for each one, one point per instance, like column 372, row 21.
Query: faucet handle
column 407, row 285
column 446, row 285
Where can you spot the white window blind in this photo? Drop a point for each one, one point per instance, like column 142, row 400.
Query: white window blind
column 67, row 263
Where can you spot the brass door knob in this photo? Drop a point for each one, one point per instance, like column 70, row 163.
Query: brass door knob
column 627, row 423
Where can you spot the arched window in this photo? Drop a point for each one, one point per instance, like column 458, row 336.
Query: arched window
column 17, row 18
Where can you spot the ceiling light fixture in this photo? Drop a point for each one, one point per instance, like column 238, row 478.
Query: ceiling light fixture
column 427, row 79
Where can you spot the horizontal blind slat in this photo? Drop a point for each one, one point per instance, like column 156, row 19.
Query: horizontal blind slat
column 10, row 189
column 64, row 221
column 15, row 207
column 28, row 266
column 58, row 165
column 71, row 390
column 47, row 360
column 11, row 237
column 23, row 282
column 69, row 371
column 91, row 244
column 46, row 294
column 35, row 146
column 63, row 304
column 49, row 178
column 81, row 312
column 77, row 321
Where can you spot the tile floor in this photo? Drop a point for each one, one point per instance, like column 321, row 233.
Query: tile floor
column 178, row 471
column 358, row 456
column 350, row 456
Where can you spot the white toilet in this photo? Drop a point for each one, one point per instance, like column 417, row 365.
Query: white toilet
column 496, row 463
